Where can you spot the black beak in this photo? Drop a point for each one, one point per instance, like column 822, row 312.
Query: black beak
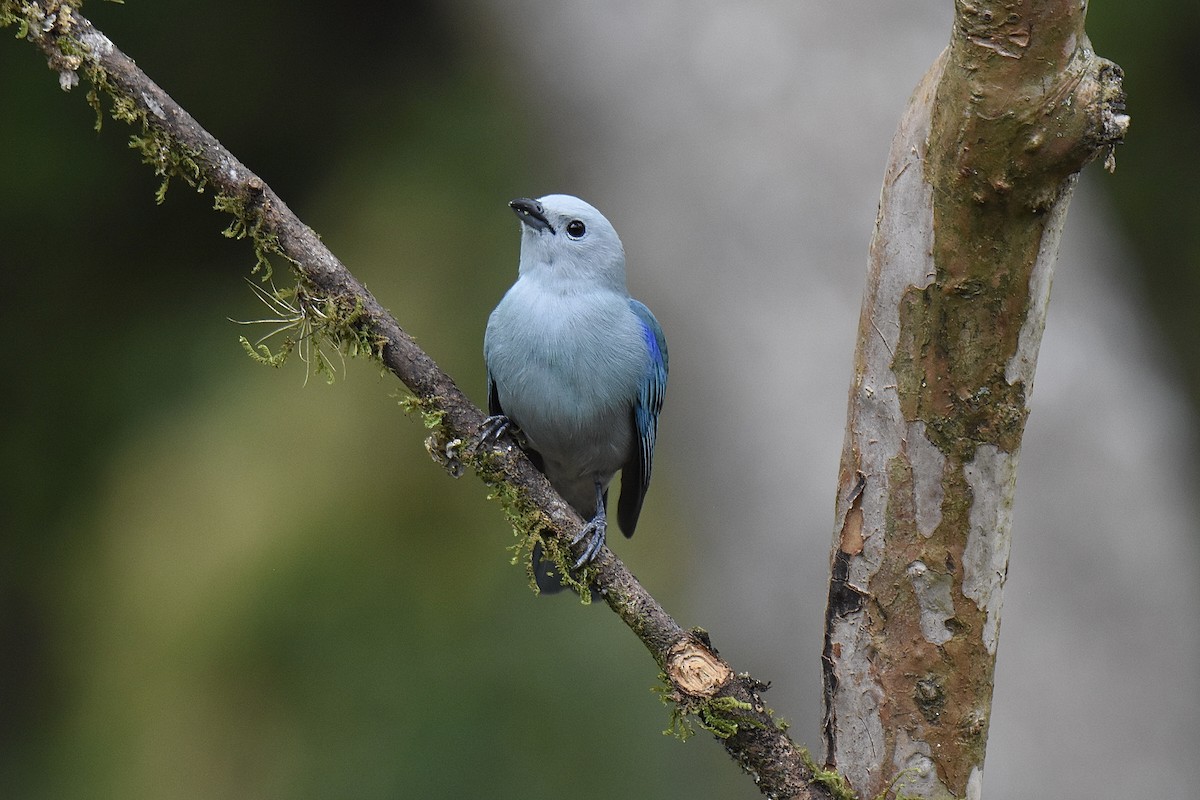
column 531, row 213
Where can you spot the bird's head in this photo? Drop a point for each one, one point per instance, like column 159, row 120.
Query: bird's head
column 563, row 239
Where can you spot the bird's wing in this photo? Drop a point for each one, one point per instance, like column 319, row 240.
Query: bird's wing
column 635, row 476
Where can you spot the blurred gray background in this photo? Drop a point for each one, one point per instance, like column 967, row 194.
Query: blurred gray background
column 221, row 582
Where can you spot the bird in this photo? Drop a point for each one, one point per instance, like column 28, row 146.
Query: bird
column 578, row 367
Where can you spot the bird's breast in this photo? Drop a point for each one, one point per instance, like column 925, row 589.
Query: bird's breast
column 567, row 370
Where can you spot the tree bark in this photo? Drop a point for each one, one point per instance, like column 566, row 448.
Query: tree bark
column 979, row 178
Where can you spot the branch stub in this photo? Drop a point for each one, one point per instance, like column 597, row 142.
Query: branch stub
column 695, row 669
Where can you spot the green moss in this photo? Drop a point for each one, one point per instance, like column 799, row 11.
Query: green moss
column 721, row 716
column 679, row 726
column 315, row 326
column 168, row 158
column 248, row 222
column 432, row 414
column 832, row 780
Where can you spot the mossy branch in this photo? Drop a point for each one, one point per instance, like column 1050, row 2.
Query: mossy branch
column 335, row 305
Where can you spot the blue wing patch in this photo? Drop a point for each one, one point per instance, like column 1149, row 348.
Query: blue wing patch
column 635, row 475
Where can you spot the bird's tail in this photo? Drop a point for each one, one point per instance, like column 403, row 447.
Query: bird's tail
column 545, row 572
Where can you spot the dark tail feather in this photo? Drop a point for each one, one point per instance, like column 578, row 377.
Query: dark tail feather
column 633, row 491
column 545, row 572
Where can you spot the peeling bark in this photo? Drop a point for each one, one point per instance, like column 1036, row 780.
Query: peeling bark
column 979, row 178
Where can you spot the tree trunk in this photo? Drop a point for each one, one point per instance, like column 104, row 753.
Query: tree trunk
column 975, row 196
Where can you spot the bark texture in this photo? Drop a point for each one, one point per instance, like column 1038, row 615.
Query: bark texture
column 978, row 182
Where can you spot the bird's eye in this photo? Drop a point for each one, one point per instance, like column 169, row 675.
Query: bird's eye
column 576, row 229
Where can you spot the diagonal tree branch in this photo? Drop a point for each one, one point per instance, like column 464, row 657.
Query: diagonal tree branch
column 170, row 140
column 979, row 178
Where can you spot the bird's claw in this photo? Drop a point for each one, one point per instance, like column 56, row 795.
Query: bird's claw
column 493, row 428
column 593, row 534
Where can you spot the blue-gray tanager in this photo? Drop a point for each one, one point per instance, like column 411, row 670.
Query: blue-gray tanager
column 578, row 366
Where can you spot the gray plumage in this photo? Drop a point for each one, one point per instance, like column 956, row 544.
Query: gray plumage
column 576, row 364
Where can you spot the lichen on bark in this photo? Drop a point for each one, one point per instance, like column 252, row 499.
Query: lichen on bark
column 980, row 174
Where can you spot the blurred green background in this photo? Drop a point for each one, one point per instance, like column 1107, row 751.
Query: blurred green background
column 219, row 582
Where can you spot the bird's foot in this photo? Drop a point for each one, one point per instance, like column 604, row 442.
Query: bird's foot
column 496, row 426
column 592, row 535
